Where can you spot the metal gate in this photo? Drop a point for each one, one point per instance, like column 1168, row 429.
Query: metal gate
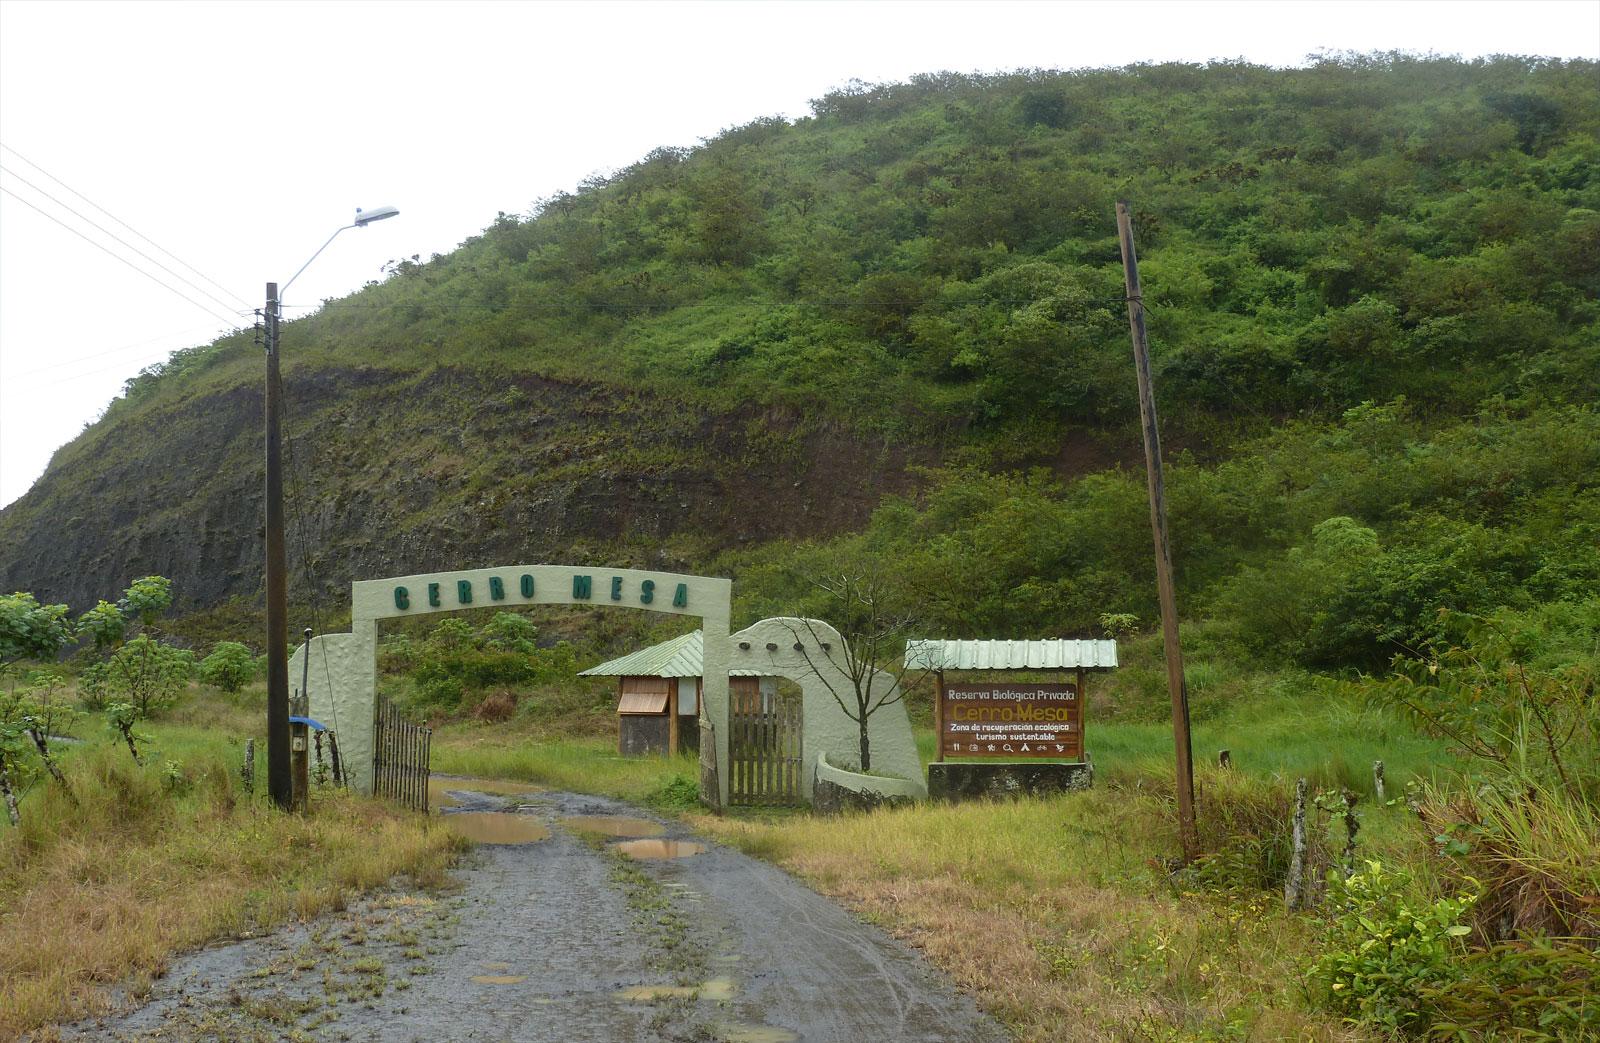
column 400, row 758
column 764, row 755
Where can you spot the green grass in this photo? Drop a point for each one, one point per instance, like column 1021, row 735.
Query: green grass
column 579, row 765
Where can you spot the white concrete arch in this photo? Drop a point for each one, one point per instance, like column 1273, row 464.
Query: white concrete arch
column 342, row 682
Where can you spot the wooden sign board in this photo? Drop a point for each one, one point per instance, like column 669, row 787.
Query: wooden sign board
column 1012, row 721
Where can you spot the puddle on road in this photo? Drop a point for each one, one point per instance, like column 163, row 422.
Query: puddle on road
column 495, row 827
column 615, row 825
column 718, row 990
column 495, row 966
column 439, row 789
column 754, row 1034
column 499, row 979
column 659, row 848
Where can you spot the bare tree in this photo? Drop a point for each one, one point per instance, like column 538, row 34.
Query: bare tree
column 867, row 672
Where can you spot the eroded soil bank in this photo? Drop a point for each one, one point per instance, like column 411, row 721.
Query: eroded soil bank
column 567, row 939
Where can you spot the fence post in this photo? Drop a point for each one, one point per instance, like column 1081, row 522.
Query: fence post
column 1293, row 884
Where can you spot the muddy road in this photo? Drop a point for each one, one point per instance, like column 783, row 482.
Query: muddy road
column 558, row 933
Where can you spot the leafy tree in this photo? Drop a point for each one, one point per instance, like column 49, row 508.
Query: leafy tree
column 510, row 631
column 148, row 675
column 105, row 624
column 122, row 720
column 16, row 765
column 41, row 708
column 146, row 599
column 229, row 666
column 29, row 630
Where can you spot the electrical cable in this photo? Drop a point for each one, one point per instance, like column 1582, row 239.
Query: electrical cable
column 101, row 228
column 110, row 351
column 98, row 246
column 296, row 501
column 121, row 222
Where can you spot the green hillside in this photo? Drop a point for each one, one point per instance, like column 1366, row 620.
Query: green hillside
column 1373, row 287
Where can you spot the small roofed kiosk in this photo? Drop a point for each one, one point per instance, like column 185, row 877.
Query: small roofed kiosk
column 658, row 694
column 989, row 716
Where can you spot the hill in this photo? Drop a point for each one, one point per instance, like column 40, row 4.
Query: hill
column 1372, row 282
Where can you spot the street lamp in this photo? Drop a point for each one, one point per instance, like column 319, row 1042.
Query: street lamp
column 279, row 784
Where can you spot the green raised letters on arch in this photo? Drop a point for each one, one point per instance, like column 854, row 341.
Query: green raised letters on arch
column 647, row 591
column 497, row 589
column 433, row 595
column 527, row 585
column 616, row 588
column 582, row 587
column 680, row 597
column 402, row 598
column 464, row 591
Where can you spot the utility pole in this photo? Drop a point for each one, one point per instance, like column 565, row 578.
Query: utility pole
column 1187, row 834
column 279, row 785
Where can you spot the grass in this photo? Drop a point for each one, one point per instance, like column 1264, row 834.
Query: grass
column 1059, row 915
column 154, row 860
column 584, row 765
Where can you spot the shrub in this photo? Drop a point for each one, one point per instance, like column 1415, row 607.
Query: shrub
column 230, row 666
column 1388, row 950
column 496, row 707
column 1539, row 989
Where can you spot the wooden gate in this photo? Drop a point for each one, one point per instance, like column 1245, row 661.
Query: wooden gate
column 400, row 758
column 764, row 754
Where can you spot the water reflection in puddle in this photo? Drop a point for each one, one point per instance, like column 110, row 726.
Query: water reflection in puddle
column 615, row 825
column 754, row 1034
column 494, row 827
column 659, row 848
column 439, row 788
column 718, row 990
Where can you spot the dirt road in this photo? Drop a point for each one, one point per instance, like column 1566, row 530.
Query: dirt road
column 567, row 939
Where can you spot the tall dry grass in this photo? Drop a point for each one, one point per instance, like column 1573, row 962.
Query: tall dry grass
column 1060, row 916
column 146, row 864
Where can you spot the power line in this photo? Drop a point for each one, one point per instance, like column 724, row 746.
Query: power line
column 142, row 361
column 121, row 222
column 109, row 351
column 93, row 224
column 99, row 246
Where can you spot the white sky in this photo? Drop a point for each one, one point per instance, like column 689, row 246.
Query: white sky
column 239, row 135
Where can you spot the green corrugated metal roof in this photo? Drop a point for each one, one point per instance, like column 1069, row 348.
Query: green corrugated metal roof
column 1052, row 654
column 680, row 657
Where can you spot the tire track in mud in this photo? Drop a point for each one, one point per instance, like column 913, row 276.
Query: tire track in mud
column 565, row 939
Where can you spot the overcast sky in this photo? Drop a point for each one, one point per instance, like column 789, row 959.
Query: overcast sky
column 240, row 135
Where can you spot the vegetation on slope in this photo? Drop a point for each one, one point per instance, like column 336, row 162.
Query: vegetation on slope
column 927, row 269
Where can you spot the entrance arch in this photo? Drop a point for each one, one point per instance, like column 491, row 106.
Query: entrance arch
column 342, row 681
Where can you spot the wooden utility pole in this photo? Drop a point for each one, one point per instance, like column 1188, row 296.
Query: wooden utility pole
column 1188, row 836
column 279, row 785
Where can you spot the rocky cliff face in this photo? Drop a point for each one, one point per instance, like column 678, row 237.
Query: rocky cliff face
column 392, row 473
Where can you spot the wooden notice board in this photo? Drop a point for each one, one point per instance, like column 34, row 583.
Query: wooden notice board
column 1011, row 721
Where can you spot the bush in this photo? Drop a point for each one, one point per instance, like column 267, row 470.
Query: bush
column 1539, row 989
column 230, row 666
column 1388, row 950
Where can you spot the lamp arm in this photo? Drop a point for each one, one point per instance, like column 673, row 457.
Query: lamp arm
column 284, row 291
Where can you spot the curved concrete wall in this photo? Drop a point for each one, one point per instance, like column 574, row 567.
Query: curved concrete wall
column 339, row 684
column 796, row 653
column 855, row 782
